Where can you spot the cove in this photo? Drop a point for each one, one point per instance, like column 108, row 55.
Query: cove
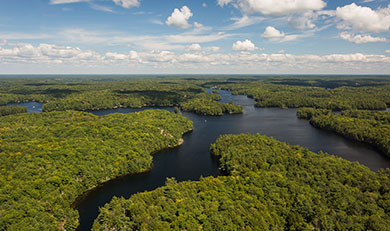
column 192, row 160
column 32, row 107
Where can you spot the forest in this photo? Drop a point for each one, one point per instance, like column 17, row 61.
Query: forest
column 89, row 94
column 270, row 185
column 10, row 110
column 269, row 93
column 371, row 127
column 211, row 107
column 47, row 160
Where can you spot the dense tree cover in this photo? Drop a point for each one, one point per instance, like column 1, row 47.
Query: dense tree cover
column 10, row 110
column 271, row 186
column 95, row 95
column 371, row 127
column 92, row 94
column 308, row 112
column 210, row 107
column 126, row 95
column 109, row 92
column 49, row 159
column 287, row 96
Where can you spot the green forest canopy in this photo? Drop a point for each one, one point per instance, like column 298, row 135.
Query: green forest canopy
column 49, row 159
column 370, row 127
column 270, row 185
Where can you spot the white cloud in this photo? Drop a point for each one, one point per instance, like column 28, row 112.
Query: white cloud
column 387, row 51
column 246, row 45
column 146, row 42
column 127, row 3
column 303, row 21
column 56, row 2
column 198, row 25
column 204, row 4
column 101, row 8
column 49, row 56
column 195, row 38
column 179, row 18
column 275, row 8
column 46, row 53
column 115, row 56
column 272, row 32
column 156, row 21
column 194, row 47
column 364, row 19
column 224, row 2
column 244, row 21
column 361, row 38
column 213, row 49
column 275, row 35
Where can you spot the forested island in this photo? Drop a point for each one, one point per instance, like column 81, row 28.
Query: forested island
column 271, row 186
column 49, row 159
column 210, row 107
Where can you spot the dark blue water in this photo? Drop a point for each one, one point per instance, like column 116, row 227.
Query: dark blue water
column 32, row 107
column 193, row 159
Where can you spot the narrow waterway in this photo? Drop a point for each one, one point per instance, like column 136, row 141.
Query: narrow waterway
column 193, row 159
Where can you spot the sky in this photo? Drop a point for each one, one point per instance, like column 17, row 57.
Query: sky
column 194, row 37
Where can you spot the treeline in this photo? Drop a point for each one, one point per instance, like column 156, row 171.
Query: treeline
column 211, row 107
column 271, row 186
column 49, row 159
column 267, row 94
column 371, row 127
column 10, row 110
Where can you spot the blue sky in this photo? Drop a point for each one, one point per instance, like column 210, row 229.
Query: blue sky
column 194, row 37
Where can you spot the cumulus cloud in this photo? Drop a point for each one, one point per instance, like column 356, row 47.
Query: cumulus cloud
column 274, row 34
column 56, row 2
column 179, row 18
column 194, row 47
column 246, row 45
column 126, row 3
column 275, row 8
column 213, row 49
column 46, row 53
column 364, row 19
column 43, row 54
column 361, row 38
column 387, row 51
column 115, row 56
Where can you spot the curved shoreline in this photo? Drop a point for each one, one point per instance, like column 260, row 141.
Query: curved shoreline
column 101, row 184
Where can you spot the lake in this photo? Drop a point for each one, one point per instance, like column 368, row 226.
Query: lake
column 193, row 159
